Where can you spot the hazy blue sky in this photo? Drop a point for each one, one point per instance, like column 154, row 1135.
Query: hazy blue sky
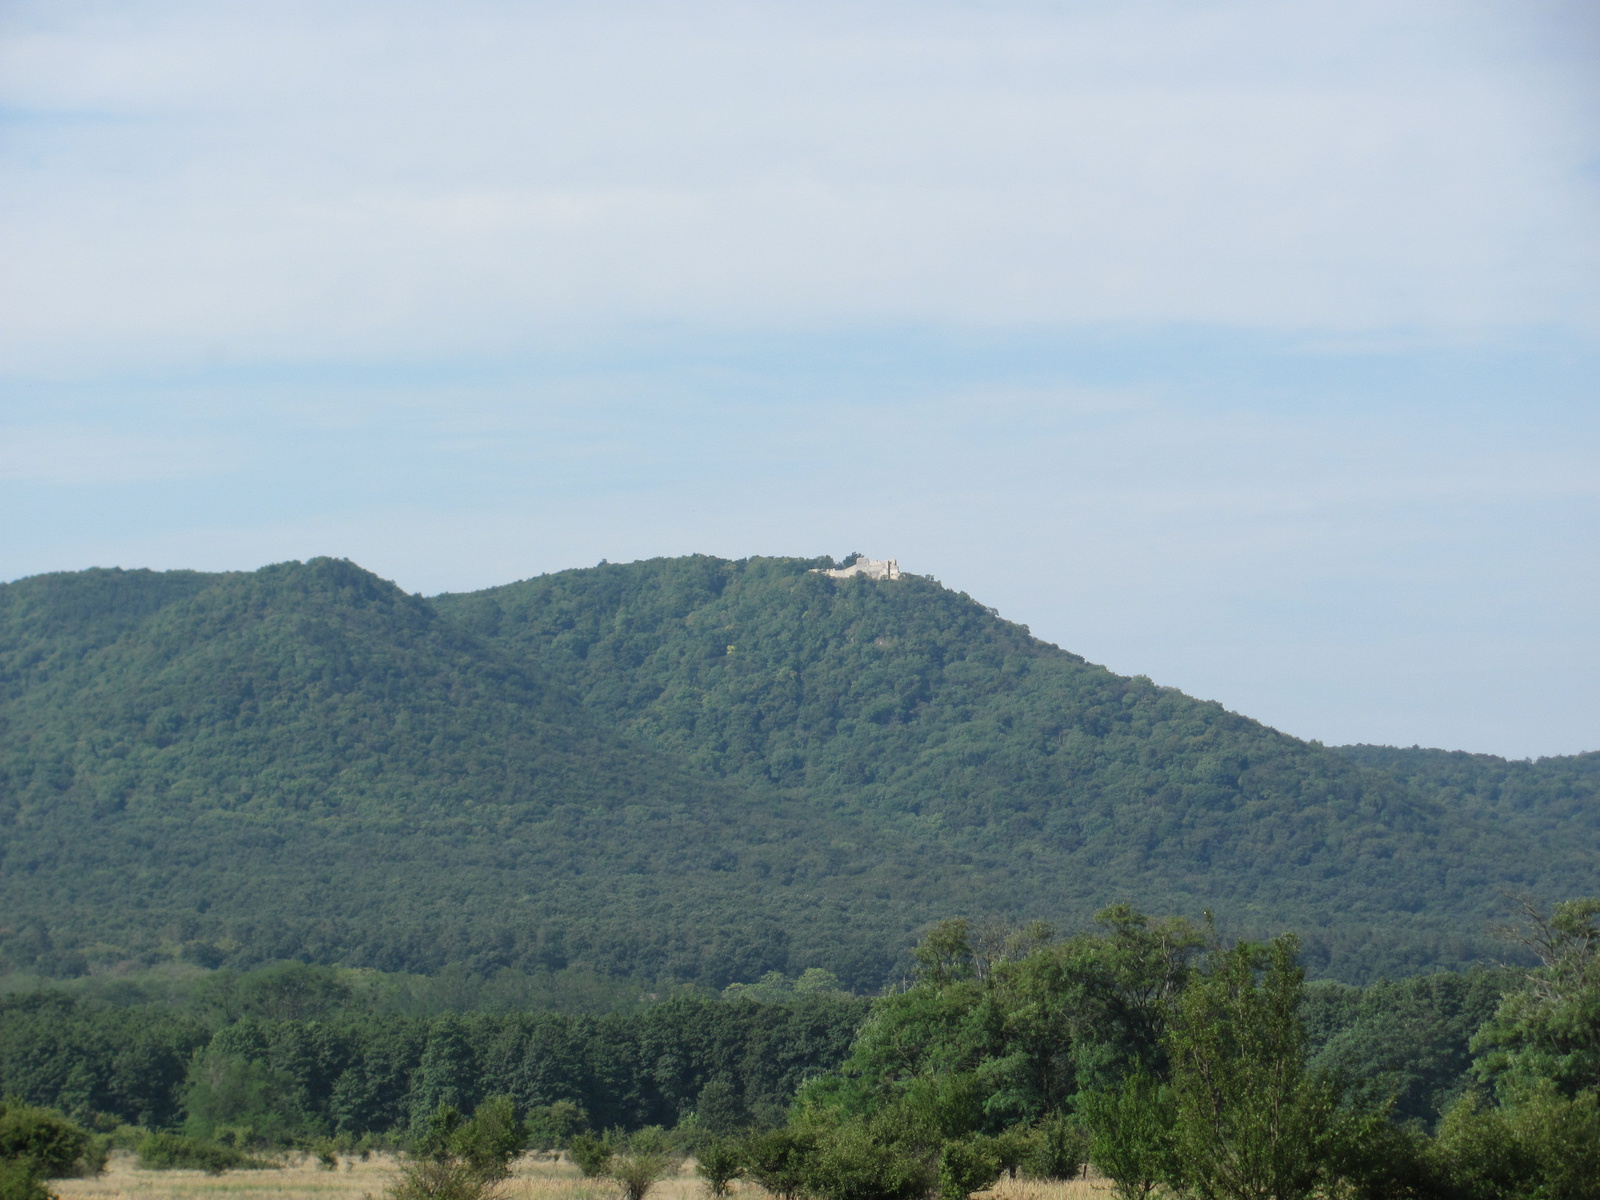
column 1252, row 346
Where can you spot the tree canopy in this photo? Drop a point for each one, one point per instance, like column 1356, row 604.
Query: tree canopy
column 689, row 770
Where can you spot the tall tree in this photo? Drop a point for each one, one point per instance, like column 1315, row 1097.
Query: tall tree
column 1251, row 1122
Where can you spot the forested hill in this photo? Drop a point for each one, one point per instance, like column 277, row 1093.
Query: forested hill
column 685, row 769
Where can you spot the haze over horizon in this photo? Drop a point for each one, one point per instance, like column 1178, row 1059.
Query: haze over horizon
column 1249, row 347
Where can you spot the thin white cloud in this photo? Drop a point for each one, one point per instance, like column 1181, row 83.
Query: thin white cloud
column 290, row 181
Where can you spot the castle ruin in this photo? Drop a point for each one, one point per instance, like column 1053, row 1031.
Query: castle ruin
column 872, row 568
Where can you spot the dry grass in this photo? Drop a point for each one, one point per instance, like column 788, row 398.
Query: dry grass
column 1035, row 1189
column 533, row 1179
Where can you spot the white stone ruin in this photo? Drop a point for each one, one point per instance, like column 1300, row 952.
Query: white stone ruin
column 872, row 568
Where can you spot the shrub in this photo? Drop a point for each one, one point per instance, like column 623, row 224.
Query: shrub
column 440, row 1179
column 638, row 1171
column 1131, row 1138
column 491, row 1141
column 967, row 1166
column 51, row 1146
column 719, row 1163
column 652, row 1139
column 590, row 1154
column 851, row 1164
column 175, row 1151
column 778, row 1160
column 1056, row 1148
column 19, row 1182
column 487, row 1143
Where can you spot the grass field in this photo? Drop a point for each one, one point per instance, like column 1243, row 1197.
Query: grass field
column 301, row 1178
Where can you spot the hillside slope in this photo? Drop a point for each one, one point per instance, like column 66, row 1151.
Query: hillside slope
column 1064, row 785
column 307, row 761
column 683, row 768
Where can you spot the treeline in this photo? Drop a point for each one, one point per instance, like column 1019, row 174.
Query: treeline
column 1175, row 1063
column 1180, row 1066
column 292, row 1051
column 278, row 1080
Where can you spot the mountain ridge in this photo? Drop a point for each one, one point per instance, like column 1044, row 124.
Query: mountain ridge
column 683, row 768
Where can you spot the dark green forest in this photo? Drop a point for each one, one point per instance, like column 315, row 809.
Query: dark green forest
column 289, row 1053
column 686, row 771
column 1175, row 1062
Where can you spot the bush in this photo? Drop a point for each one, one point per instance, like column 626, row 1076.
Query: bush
column 778, row 1160
column 967, row 1166
column 18, row 1182
column 1056, row 1148
column 47, row 1143
column 491, row 1141
column 719, row 1163
column 652, row 1139
column 638, row 1171
column 487, row 1143
column 855, row 1161
column 175, row 1151
column 439, row 1179
column 1131, row 1139
column 590, row 1154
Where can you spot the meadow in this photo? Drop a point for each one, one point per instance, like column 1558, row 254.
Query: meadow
column 534, row 1177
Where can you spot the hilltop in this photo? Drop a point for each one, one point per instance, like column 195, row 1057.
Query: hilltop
column 687, row 769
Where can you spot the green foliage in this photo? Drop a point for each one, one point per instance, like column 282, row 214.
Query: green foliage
column 18, row 1181
column 720, row 1109
column 553, row 1126
column 945, row 954
column 1250, row 1121
column 1564, row 1133
column 487, row 1143
column 439, row 1179
column 131, row 1064
column 1545, row 1147
column 231, row 1090
column 318, row 748
column 589, row 1154
column 175, row 1151
column 652, row 1139
column 1055, row 1148
column 779, row 1160
column 1405, row 1041
column 720, row 1163
column 1548, row 1029
column 355, row 1073
column 1479, row 1151
column 1006, row 1033
column 47, row 1144
column 860, row 1159
column 969, row 1165
column 1131, row 1138
column 638, row 1169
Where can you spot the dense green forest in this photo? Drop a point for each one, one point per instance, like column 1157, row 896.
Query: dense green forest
column 1177, row 1063
column 293, row 1052
column 290, row 1053
column 685, row 771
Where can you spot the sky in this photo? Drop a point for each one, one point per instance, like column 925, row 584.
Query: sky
column 1252, row 346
